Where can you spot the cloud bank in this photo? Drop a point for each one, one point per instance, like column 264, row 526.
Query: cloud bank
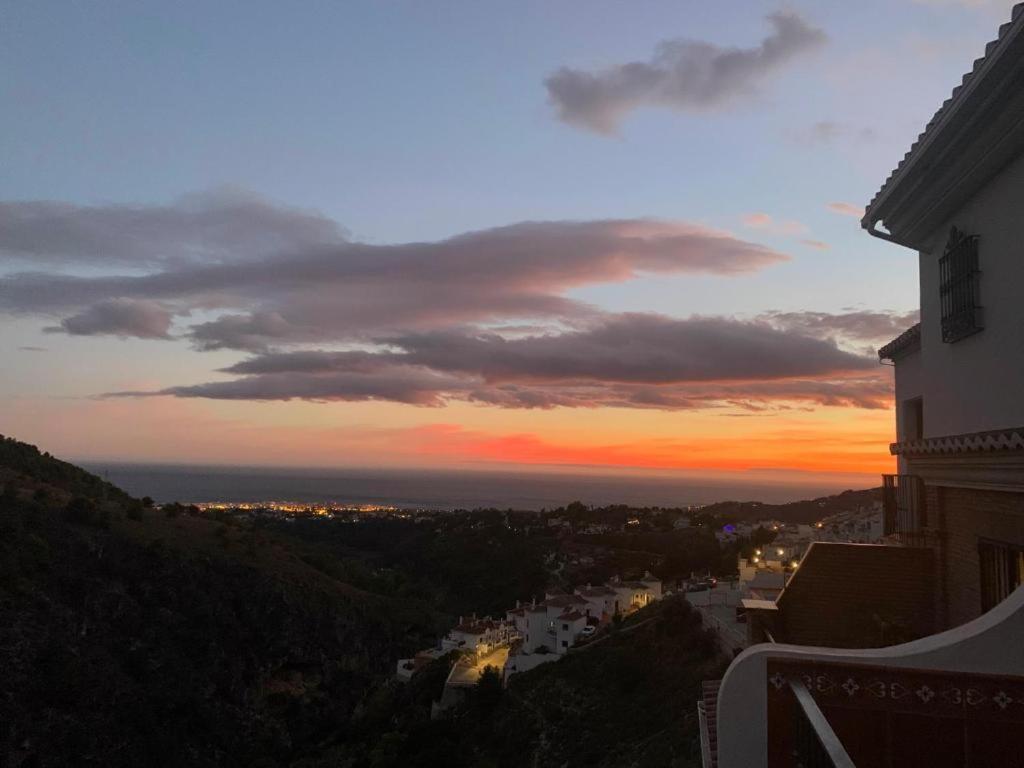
column 213, row 226
column 483, row 317
column 309, row 291
column 631, row 361
column 687, row 75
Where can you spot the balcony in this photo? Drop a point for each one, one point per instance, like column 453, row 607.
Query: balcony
column 951, row 699
column 905, row 516
column 815, row 743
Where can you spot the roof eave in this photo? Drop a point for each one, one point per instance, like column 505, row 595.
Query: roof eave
column 892, row 199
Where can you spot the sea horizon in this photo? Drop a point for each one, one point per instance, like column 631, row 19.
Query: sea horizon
column 439, row 489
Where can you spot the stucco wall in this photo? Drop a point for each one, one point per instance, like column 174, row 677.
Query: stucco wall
column 975, row 384
column 909, row 384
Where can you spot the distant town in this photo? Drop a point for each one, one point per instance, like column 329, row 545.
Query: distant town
column 767, row 552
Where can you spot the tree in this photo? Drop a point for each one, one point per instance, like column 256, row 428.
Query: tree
column 10, row 494
column 80, row 510
column 489, row 689
column 575, row 509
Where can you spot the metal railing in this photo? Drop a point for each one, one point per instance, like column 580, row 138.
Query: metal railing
column 707, row 759
column 707, row 716
column 815, row 744
column 905, row 506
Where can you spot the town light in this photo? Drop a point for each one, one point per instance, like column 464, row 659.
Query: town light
column 779, row 551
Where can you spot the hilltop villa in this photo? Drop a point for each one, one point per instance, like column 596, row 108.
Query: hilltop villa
column 911, row 651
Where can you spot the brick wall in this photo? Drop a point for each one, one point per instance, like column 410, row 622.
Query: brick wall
column 859, row 596
column 966, row 515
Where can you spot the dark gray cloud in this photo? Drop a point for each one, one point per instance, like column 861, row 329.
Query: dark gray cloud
column 630, row 361
column 635, row 348
column 119, row 317
column 682, row 74
column 253, row 331
column 220, row 225
column 398, row 384
column 856, row 328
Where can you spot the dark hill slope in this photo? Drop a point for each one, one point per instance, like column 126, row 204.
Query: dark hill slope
column 807, row 511
column 628, row 701
column 131, row 638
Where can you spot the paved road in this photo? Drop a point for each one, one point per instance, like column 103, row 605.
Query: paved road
column 468, row 674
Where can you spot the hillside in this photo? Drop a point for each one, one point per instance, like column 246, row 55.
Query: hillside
column 131, row 638
column 807, row 511
column 135, row 636
column 628, row 700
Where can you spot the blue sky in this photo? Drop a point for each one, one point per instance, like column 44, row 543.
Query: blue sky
column 412, row 121
column 408, row 121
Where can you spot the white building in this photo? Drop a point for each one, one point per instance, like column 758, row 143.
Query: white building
column 406, row 668
column 600, row 602
column 478, row 635
column 910, row 652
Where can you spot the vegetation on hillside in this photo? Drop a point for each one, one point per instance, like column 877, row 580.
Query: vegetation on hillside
column 806, row 511
column 140, row 636
column 169, row 641
column 628, row 700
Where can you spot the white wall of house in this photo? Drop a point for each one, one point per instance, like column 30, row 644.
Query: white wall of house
column 653, row 587
column 629, row 596
column 596, row 606
column 536, row 630
column 467, row 641
column 524, row 662
column 974, row 384
column 910, row 383
column 567, row 631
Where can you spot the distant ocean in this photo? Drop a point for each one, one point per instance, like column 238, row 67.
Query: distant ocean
column 421, row 489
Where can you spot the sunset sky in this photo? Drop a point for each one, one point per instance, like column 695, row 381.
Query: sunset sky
column 606, row 235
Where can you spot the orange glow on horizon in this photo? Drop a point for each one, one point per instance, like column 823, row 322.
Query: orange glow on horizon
column 828, row 440
column 807, row 451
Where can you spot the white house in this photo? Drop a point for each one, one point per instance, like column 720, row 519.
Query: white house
column 536, row 625
column 568, row 627
column 600, row 601
column 632, row 595
column 478, row 635
column 835, row 684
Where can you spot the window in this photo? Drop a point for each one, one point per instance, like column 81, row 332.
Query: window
column 565, row 643
column 565, row 627
column 1002, row 571
column 913, row 419
column 958, row 287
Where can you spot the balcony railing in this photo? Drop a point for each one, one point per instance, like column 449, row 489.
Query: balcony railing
column 906, row 512
column 838, row 714
column 815, row 744
column 707, row 715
